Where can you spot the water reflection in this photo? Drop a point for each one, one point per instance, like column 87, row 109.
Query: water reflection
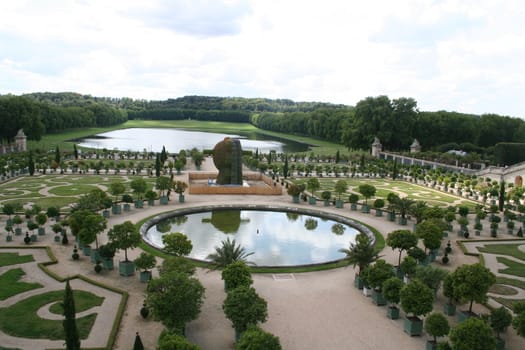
column 152, row 140
column 277, row 238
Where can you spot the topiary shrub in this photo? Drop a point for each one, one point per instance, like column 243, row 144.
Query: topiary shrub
column 227, row 157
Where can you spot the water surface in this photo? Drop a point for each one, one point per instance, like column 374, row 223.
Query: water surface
column 276, row 238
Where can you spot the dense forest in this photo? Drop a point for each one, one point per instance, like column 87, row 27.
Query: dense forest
column 396, row 122
column 42, row 113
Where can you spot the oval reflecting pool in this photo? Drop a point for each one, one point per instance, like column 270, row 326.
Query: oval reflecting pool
column 277, row 238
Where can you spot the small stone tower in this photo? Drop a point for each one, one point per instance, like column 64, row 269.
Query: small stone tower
column 377, row 147
column 415, row 147
column 21, row 141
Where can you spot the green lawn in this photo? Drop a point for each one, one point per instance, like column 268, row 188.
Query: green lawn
column 10, row 283
column 386, row 186
column 513, row 267
column 504, row 249
column 63, row 189
column 21, row 320
column 14, row 258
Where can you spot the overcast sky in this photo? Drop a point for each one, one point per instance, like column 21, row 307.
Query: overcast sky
column 458, row 55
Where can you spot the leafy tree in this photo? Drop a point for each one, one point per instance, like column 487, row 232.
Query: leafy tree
column 254, row 338
column 145, row 261
column 378, row 273
column 431, row 276
column 177, row 264
column 361, row 253
column 116, row 189
column 175, row 299
column 313, row 185
column 431, row 232
column 436, row 325
column 408, row 266
column 500, row 319
column 229, row 252
column 391, row 289
column 518, row 323
column 53, row 212
column 474, row 333
column 95, row 200
column 416, row 298
column 236, row 274
column 341, row 186
column 69, row 322
column 124, row 236
column 367, row 191
column 471, row 283
column 174, row 341
column 163, row 184
column 139, row 186
column 41, row 219
column 177, row 243
column 244, row 307
column 402, row 240
column 86, row 225
column 8, row 209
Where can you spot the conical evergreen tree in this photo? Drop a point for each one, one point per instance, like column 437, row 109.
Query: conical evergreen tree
column 285, row 166
column 31, row 164
column 138, row 343
column 157, row 166
column 69, row 323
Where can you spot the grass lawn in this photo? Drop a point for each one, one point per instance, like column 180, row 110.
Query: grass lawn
column 386, row 186
column 21, row 320
column 50, row 141
column 63, row 189
column 502, row 290
column 14, row 258
column 10, row 284
column 504, row 249
column 513, row 267
column 510, row 282
column 509, row 303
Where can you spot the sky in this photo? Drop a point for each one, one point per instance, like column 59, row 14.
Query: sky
column 455, row 55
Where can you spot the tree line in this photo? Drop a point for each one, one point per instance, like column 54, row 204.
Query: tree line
column 38, row 116
column 397, row 122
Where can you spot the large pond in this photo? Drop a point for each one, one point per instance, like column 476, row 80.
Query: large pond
column 152, row 140
column 277, row 238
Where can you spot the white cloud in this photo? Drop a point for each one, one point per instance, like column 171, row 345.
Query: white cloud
column 447, row 54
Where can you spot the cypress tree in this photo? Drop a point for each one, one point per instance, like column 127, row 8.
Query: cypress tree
column 75, row 151
column 57, row 155
column 163, row 155
column 138, row 343
column 69, row 323
column 285, row 166
column 337, row 157
column 31, row 164
column 157, row 166
column 501, row 195
column 394, row 170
